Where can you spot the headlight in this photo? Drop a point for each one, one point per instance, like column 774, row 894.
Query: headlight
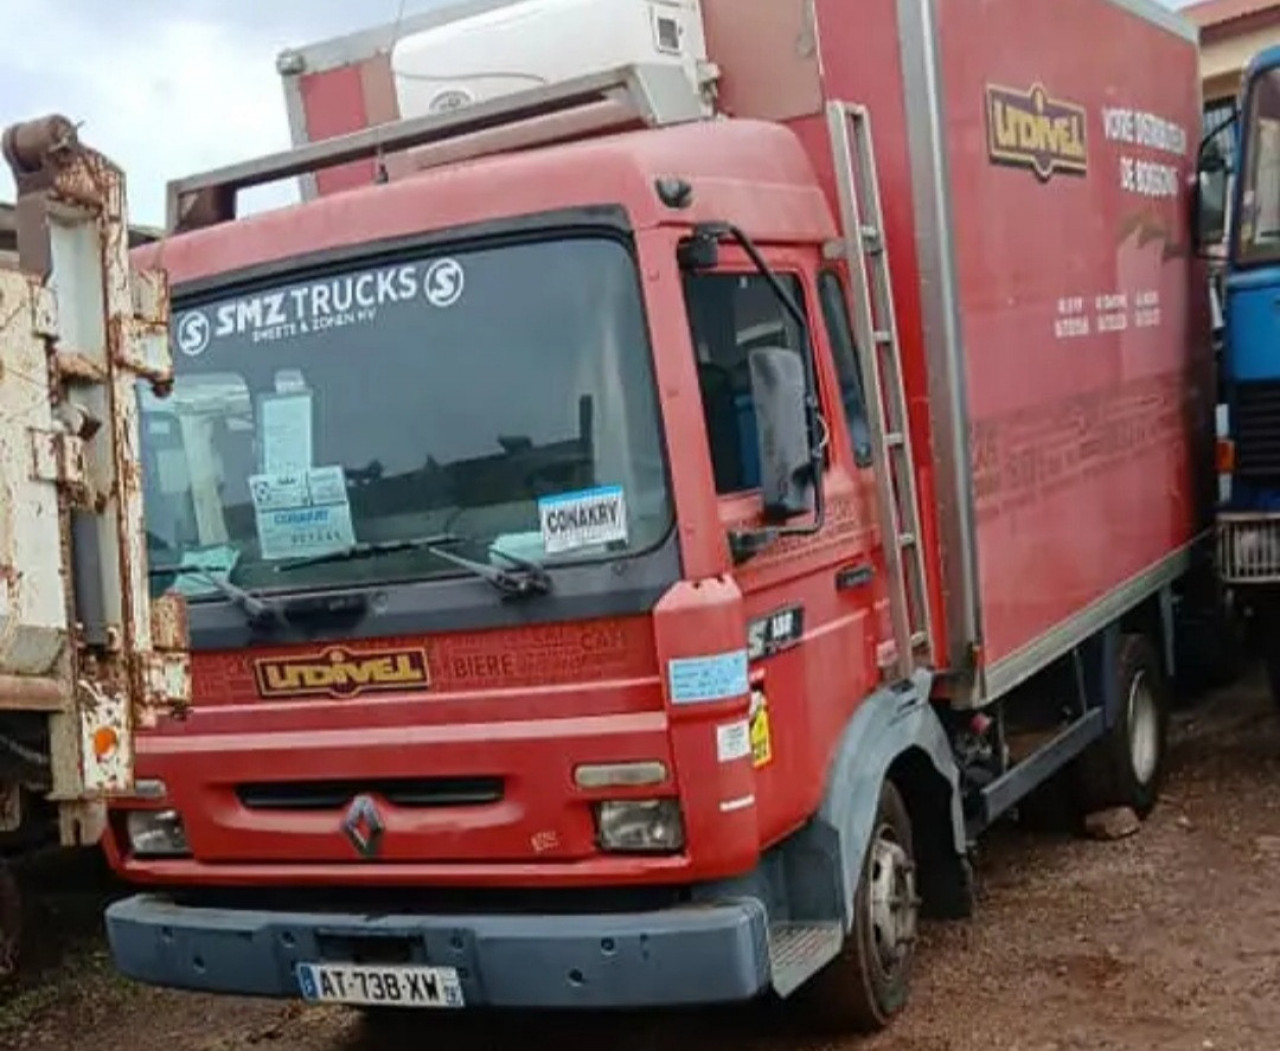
column 156, row 834
column 650, row 826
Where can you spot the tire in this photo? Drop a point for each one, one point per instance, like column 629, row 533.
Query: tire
column 1272, row 661
column 1125, row 768
column 868, row 984
column 11, row 922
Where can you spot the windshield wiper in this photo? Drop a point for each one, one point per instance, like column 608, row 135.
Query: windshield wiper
column 525, row 577
column 363, row 550
column 259, row 611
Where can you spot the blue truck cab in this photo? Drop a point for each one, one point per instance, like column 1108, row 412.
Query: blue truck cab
column 1239, row 231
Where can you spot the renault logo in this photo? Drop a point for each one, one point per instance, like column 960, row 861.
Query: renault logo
column 363, row 826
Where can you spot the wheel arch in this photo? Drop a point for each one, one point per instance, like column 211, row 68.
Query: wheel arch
column 894, row 734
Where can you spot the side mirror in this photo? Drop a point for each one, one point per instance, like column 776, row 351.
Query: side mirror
column 780, row 394
column 1211, row 208
column 1212, row 188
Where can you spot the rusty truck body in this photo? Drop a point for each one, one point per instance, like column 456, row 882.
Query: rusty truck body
column 86, row 656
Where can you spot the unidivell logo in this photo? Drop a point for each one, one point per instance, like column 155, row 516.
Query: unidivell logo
column 341, row 673
column 1031, row 130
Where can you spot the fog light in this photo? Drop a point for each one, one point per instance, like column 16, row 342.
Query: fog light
column 649, row 826
column 156, row 834
column 620, row 775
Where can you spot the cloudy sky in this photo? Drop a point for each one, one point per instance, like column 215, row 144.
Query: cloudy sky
column 167, row 87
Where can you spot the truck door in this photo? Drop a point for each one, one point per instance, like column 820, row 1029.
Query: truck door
column 814, row 602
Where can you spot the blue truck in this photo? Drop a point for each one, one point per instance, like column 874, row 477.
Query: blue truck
column 1239, row 232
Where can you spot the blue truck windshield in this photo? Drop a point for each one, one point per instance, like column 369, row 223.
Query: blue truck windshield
column 501, row 394
column 1258, row 237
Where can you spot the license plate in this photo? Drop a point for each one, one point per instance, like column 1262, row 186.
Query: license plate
column 342, row 983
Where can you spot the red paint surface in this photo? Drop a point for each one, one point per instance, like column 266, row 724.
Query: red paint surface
column 1082, row 446
column 334, row 104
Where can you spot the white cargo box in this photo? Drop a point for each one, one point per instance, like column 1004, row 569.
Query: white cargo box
column 538, row 42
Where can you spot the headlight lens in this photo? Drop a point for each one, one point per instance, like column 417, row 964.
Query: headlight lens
column 156, row 834
column 648, row 826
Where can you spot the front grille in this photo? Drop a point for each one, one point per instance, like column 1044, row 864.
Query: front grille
column 409, row 793
column 1249, row 548
column 1255, row 420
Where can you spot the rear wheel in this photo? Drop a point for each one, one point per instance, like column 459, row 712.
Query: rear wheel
column 864, row 987
column 1272, row 661
column 10, row 922
column 1126, row 766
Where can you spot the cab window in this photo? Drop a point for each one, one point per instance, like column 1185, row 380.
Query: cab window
column 844, row 349
column 731, row 315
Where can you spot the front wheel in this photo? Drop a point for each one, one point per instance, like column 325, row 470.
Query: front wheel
column 863, row 988
column 1125, row 768
column 11, row 921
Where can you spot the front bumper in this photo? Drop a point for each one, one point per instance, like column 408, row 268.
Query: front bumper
column 679, row 956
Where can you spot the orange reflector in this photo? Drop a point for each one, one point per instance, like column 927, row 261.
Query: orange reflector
column 105, row 742
column 1226, row 456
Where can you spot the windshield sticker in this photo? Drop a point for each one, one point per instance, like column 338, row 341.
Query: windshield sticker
column 284, row 431
column 302, row 514
column 216, row 562
column 572, row 521
column 336, row 302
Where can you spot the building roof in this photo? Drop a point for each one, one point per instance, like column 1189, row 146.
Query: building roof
column 1209, row 14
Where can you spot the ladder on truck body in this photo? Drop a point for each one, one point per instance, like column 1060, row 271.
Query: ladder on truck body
column 864, row 249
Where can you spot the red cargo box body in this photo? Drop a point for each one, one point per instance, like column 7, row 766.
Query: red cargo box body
column 1035, row 171
column 1034, row 159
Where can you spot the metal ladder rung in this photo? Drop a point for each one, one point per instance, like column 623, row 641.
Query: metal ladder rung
column 867, row 256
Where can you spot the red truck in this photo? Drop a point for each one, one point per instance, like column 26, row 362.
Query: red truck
column 644, row 516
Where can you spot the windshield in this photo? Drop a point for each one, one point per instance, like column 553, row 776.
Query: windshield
column 503, row 395
column 1259, row 233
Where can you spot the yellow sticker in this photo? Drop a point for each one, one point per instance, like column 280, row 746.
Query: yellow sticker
column 761, row 739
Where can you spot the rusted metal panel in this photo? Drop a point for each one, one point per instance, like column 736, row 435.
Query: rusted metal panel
column 78, row 330
column 33, row 693
column 33, row 590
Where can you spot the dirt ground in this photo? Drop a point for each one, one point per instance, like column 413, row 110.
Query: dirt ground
column 1169, row 939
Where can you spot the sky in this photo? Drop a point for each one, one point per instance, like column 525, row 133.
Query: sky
column 169, row 87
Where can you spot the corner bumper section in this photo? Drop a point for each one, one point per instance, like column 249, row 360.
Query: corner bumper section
column 688, row 955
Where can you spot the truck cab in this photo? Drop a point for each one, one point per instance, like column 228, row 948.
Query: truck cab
column 1240, row 227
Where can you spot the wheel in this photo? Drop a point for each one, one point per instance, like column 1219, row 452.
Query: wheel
column 863, row 988
column 10, row 922
column 1272, row 661
column 1126, row 767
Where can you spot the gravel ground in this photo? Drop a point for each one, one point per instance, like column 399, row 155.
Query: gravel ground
column 1169, row 939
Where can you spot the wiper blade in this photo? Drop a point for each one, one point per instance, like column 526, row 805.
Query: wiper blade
column 525, row 577
column 258, row 610
column 361, row 551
